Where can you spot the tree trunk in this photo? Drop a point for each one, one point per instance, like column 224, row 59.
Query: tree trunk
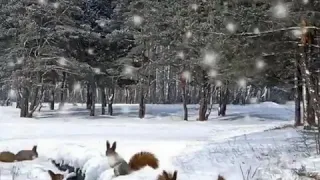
column 18, row 105
column 314, row 98
column 297, row 94
column 110, row 101
column 89, row 96
column 52, row 100
column 93, row 98
column 204, row 98
column 63, row 85
column 24, row 102
column 142, row 106
column 184, row 100
column 103, row 101
column 224, row 101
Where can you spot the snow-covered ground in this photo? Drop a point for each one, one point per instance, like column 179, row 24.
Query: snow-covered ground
column 222, row 145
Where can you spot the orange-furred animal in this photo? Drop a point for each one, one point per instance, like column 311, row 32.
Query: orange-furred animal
column 55, row 176
column 7, row 156
column 24, row 155
column 168, row 176
column 137, row 161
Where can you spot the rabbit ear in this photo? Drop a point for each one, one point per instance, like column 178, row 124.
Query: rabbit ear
column 165, row 174
column 174, row 177
column 52, row 174
column 114, row 146
column 108, row 145
column 34, row 148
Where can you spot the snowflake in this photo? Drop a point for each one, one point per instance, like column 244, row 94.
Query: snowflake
column 62, row 61
column 11, row 64
column 253, row 100
column 280, row 10
column 256, row 31
column 260, row 64
column 210, row 58
column 91, row 51
column 12, row 94
column 297, row 33
column 218, row 83
column 231, row 27
column 56, row 5
column 42, row 2
column 97, row 70
column 128, row 70
column 125, row 109
column 101, row 22
column 189, row 34
column 305, row 1
column 186, row 75
column 212, row 73
column 20, row 60
column 194, row 6
column 137, row 20
column 242, row 83
column 181, row 55
column 77, row 87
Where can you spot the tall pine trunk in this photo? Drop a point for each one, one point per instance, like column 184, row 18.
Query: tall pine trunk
column 52, row 100
column 103, row 101
column 184, row 100
column 93, row 98
column 89, row 96
column 63, row 86
column 110, row 101
column 205, row 88
column 24, row 102
column 297, row 94
column 142, row 106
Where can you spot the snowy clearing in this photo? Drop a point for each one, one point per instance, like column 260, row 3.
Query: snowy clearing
column 195, row 149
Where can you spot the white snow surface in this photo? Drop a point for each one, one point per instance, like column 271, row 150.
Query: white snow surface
column 198, row 150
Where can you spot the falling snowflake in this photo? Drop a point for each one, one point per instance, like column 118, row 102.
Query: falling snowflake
column 20, row 60
column 297, row 33
column 56, row 5
column 189, row 34
column 253, row 100
column 231, row 27
column 305, row 1
column 218, row 83
column 77, row 87
column 12, row 93
column 11, row 64
column 91, row 51
column 128, row 70
column 97, row 70
column 125, row 109
column 181, row 55
column 242, row 83
column 280, row 10
column 194, row 6
column 42, row 2
column 212, row 73
column 260, row 64
column 256, row 31
column 186, row 75
column 62, row 61
column 137, row 20
column 210, row 58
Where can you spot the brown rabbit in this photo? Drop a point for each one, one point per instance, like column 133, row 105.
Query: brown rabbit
column 7, row 156
column 24, row 155
column 168, row 176
column 55, row 176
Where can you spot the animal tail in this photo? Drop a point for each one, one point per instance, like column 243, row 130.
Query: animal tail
column 142, row 159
